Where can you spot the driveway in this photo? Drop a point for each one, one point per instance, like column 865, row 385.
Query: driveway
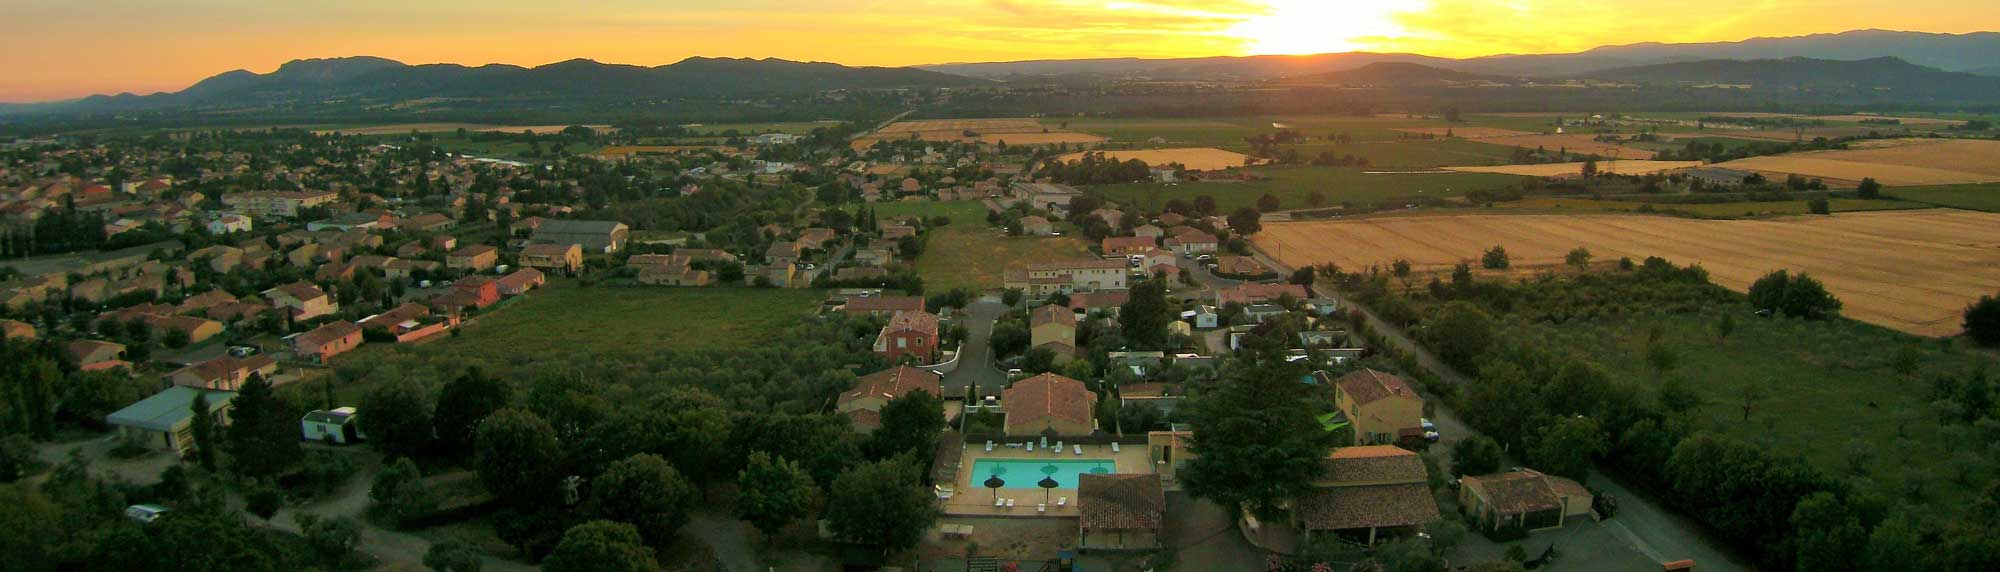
column 975, row 358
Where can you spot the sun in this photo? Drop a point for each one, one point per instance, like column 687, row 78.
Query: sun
column 1296, row 27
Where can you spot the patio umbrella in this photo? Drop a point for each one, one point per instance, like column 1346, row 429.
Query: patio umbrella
column 1047, row 484
column 995, row 482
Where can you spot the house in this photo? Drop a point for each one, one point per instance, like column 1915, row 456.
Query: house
column 560, row 259
column 93, row 355
column 16, row 330
column 1256, row 293
column 520, row 282
column 286, row 204
column 909, row 334
column 164, row 421
column 881, row 306
column 667, row 270
column 324, row 342
column 1718, row 176
column 1042, row 278
column 1106, row 301
column 1365, row 492
column 1049, row 404
column 302, row 299
column 600, row 236
column 337, row 426
column 863, row 404
column 428, row 222
column 1054, row 328
column 1259, row 313
column 1526, row 499
column 472, row 258
column 1382, row 407
column 1037, row 226
column 1128, row 245
column 408, row 322
column 1239, row 266
column 404, row 268
column 526, row 226
column 482, row 291
column 1191, row 242
column 1120, row 511
column 1162, row 397
column 229, row 223
column 1204, row 317
column 1148, row 231
column 226, row 373
column 198, row 330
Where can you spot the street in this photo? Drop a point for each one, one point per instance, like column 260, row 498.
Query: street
column 975, row 357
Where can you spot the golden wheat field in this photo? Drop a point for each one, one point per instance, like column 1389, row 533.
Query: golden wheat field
column 1640, row 167
column 401, row 128
column 1575, row 143
column 1911, row 162
column 1195, row 159
column 1913, row 271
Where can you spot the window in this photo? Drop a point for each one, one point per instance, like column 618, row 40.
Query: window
column 902, row 343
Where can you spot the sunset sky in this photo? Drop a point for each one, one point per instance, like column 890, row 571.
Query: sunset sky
column 60, row 49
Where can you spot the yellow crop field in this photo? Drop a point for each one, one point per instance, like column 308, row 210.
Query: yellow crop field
column 1913, row 271
column 1575, row 143
column 1913, row 162
column 1640, row 167
column 1017, row 131
column 400, row 128
column 1195, row 159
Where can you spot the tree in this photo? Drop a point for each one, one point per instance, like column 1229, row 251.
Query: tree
column 1869, row 189
column 263, row 433
column 1894, row 546
column 1982, row 321
column 1565, row 447
column 881, row 503
column 462, row 404
column 452, row 555
column 911, row 424
column 601, row 546
column 1798, row 296
column 1256, row 442
column 1818, row 206
column 1269, row 203
column 331, row 539
column 773, row 493
column 1589, row 167
column 1460, row 334
column 1144, row 317
column 203, row 428
column 516, row 453
column 1829, row 536
column 264, row 500
column 1495, row 259
column 646, row 492
column 1578, row 259
column 1725, row 326
column 1475, row 455
column 1011, row 297
column 1246, row 221
column 397, row 418
column 1661, row 359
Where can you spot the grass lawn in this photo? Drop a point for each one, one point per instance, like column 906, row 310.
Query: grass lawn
column 1293, row 184
column 1707, row 210
column 973, row 212
column 1831, row 392
column 568, row 318
column 1974, row 197
column 975, row 256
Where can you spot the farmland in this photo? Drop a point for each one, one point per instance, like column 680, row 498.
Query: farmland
column 1559, row 169
column 1746, row 209
column 402, row 128
column 1911, row 162
column 1197, row 159
column 619, row 151
column 1293, row 186
column 1973, row 197
column 985, row 131
column 1573, row 143
column 570, row 319
column 1465, row 132
column 970, row 213
column 1912, row 271
column 974, row 256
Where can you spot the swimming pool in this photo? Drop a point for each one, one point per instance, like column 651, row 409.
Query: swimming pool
column 1028, row 473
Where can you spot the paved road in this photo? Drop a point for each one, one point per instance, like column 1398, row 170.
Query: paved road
column 975, row 359
column 1646, row 527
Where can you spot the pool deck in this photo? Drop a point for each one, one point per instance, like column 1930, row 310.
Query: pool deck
column 972, row 498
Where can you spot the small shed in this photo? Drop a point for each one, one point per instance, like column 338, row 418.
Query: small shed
column 336, row 426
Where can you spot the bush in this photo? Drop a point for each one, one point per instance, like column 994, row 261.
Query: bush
column 1504, row 534
column 1982, row 321
column 264, row 501
column 1495, row 259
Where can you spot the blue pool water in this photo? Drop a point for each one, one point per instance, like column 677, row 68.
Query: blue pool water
column 1027, row 473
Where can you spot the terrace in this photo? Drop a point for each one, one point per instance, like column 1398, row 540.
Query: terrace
column 1017, row 466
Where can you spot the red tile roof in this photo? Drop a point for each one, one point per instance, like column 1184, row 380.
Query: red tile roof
column 1343, row 508
column 326, row 334
column 884, row 304
column 1368, row 386
column 893, row 383
column 1052, row 314
column 1044, row 396
column 1120, row 501
column 920, row 322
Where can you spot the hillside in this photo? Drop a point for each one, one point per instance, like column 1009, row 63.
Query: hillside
column 1399, row 74
column 386, row 81
column 1807, row 73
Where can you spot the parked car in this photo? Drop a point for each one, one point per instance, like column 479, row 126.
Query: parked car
column 145, row 513
column 242, row 351
column 1426, row 421
column 1431, row 436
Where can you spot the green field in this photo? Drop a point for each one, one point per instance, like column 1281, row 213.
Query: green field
column 1831, row 392
column 1293, row 185
column 1974, row 197
column 571, row 319
column 794, row 128
column 975, row 256
column 958, row 211
column 1709, row 210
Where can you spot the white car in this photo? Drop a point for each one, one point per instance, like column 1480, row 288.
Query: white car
column 1426, row 421
column 145, row 513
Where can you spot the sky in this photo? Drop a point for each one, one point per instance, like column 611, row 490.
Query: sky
column 59, row 49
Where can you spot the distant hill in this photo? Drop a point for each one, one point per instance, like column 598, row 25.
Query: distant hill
column 1988, row 70
column 1905, row 80
column 384, row 80
column 1951, row 52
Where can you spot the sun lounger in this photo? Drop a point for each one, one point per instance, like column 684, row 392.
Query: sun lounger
column 1079, row 450
column 1064, row 501
column 999, row 502
column 1114, row 447
column 1031, row 447
column 1010, row 503
column 1044, row 507
column 989, row 446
